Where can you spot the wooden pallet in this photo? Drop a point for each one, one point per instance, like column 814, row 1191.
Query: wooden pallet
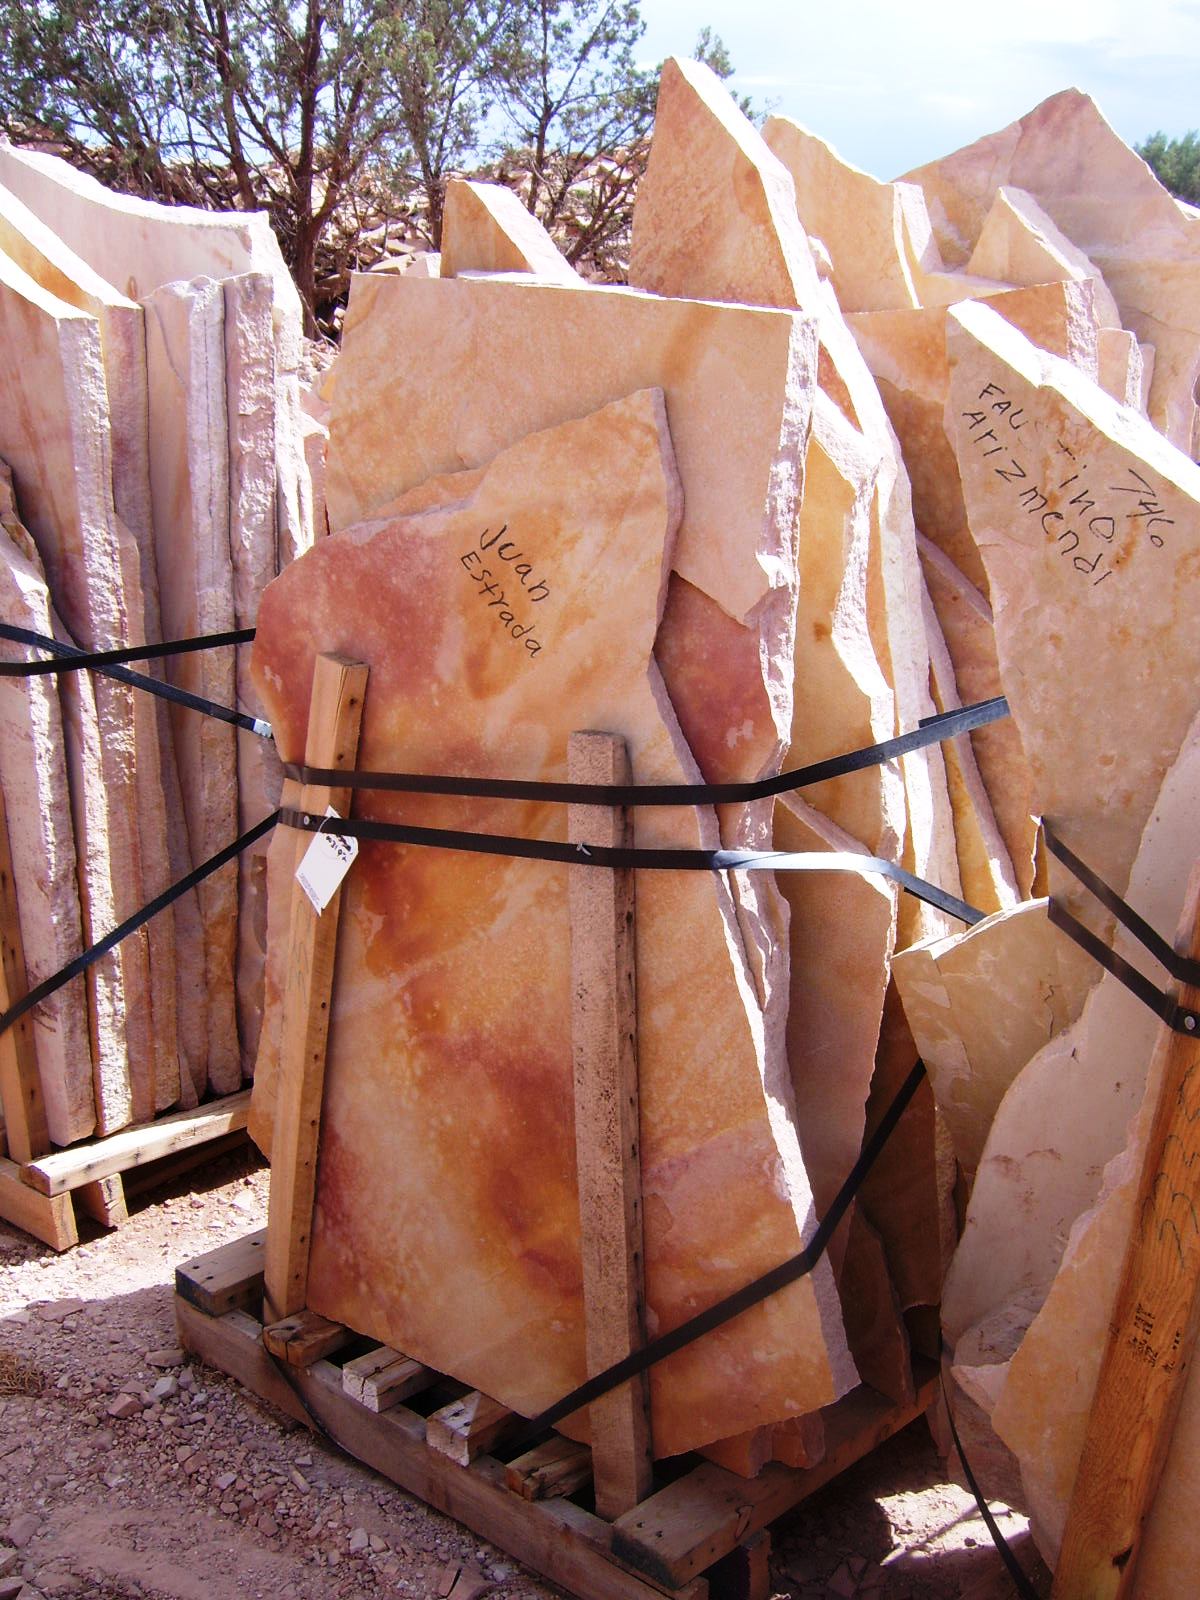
column 703, row 1535
column 41, row 1194
column 604, row 1524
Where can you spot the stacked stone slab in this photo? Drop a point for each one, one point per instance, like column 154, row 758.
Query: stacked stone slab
column 150, row 425
column 933, row 443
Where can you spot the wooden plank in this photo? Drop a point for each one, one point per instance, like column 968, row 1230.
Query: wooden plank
column 304, row 1338
column 134, row 1147
column 604, row 1048
column 558, row 1467
column 383, row 1377
column 334, row 716
column 227, row 1279
column 1152, row 1330
column 469, row 1427
column 169, row 1169
column 104, row 1201
column 683, row 1529
column 50, row 1218
column 745, row 1573
column 20, row 1085
column 562, row 1541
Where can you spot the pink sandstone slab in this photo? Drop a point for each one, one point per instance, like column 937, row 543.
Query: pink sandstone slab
column 1042, row 1407
column 485, row 228
column 985, row 867
column 716, row 217
column 1043, row 1160
column 863, row 223
column 38, row 251
column 1087, row 520
column 487, row 1284
column 1021, row 244
column 38, row 808
column 1108, row 203
column 981, row 1004
column 54, row 435
column 138, row 246
column 190, row 486
column 250, row 389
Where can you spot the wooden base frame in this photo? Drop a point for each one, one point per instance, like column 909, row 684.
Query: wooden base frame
column 41, row 1195
column 700, row 1536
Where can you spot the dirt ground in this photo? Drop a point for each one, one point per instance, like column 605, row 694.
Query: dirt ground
column 127, row 1472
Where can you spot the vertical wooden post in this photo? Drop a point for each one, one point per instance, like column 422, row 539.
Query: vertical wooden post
column 1152, row 1329
column 20, row 1085
column 604, row 1045
column 334, row 716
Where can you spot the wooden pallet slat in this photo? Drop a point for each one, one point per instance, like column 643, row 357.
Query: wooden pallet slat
column 469, row 1427
column 50, row 1218
column 303, row 1338
column 557, row 1467
column 683, row 1529
column 64, row 1170
column 228, row 1279
column 383, row 1377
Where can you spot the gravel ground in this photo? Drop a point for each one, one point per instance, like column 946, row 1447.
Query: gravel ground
column 126, row 1471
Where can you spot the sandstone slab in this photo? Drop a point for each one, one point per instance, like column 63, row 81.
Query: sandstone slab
column 1086, row 519
column 871, row 229
column 981, row 1004
column 593, row 504
column 1109, row 204
column 1042, row 1408
column 485, row 228
column 54, row 435
column 189, row 476
column 38, row 809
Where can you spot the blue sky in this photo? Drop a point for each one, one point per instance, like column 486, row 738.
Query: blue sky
column 894, row 85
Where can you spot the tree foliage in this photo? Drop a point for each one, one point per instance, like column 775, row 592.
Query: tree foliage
column 318, row 111
column 1175, row 163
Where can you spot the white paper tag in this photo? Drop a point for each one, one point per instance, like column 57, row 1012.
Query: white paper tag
column 326, row 862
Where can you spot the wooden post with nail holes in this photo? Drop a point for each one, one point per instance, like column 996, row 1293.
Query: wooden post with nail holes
column 334, row 716
column 604, row 1046
column 1152, row 1330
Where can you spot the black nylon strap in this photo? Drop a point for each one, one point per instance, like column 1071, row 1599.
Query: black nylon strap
column 81, row 963
column 933, row 730
column 1179, row 1018
column 1180, row 967
column 1020, row 1581
column 111, row 658
column 592, row 855
column 139, row 680
column 788, row 1272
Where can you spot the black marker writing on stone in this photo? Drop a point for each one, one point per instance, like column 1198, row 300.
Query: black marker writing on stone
column 492, row 591
column 521, row 568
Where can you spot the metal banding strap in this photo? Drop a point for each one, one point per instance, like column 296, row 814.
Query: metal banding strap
column 136, row 680
column 1181, row 1019
column 933, row 730
column 51, row 985
column 109, row 658
column 590, row 855
column 1180, row 967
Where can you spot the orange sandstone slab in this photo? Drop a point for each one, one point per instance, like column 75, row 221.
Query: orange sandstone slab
column 446, row 1218
column 485, row 228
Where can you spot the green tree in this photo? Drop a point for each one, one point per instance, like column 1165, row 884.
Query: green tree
column 1175, row 162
